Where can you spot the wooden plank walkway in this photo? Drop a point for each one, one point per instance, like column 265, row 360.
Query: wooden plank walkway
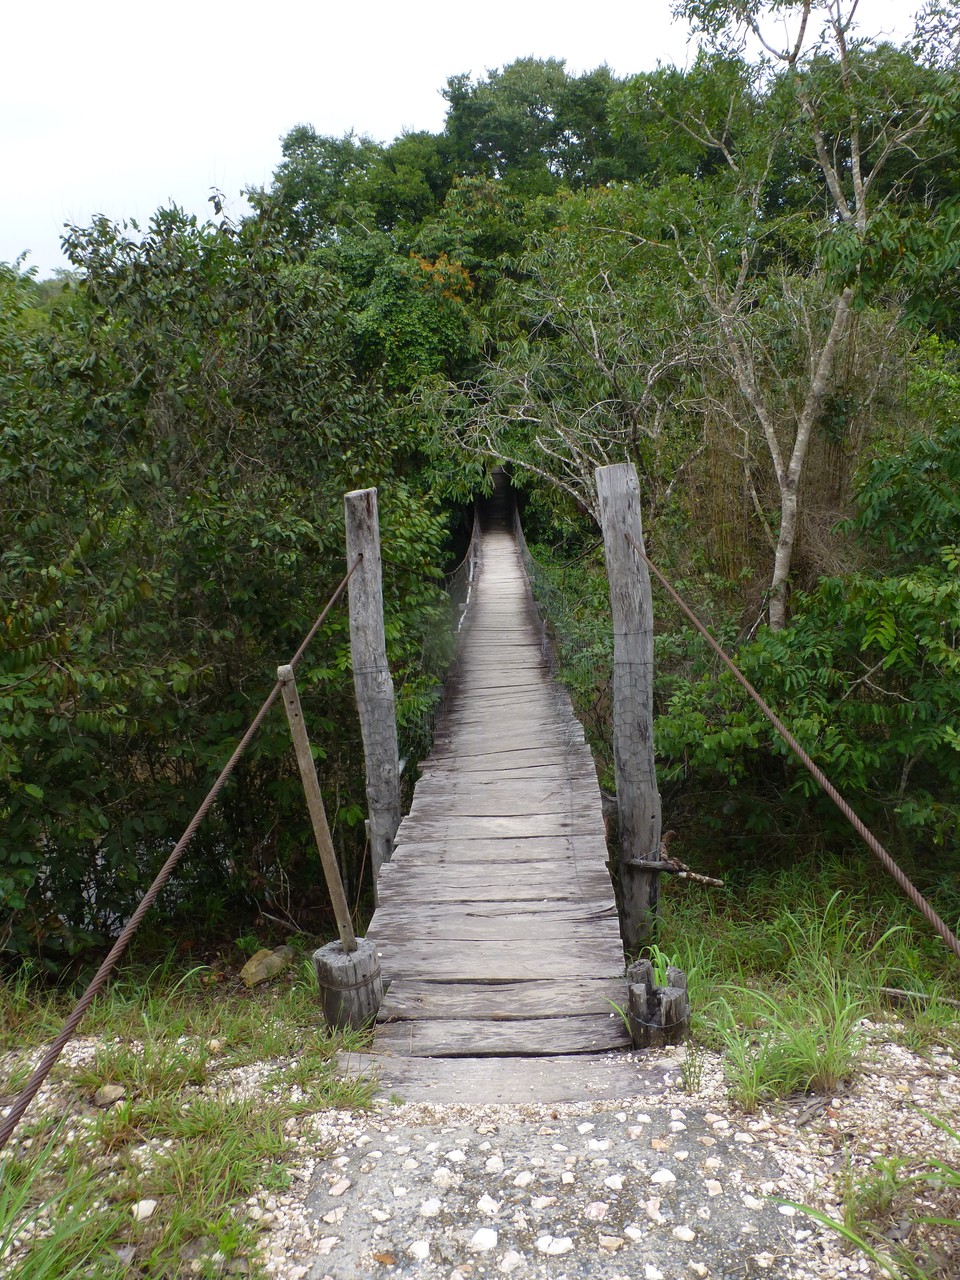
column 497, row 927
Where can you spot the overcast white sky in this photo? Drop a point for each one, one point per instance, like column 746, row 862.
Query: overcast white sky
column 118, row 107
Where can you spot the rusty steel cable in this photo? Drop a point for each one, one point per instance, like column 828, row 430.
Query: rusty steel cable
column 872, row 843
column 32, row 1087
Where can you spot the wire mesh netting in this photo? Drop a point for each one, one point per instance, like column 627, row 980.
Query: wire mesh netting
column 572, row 608
column 421, row 721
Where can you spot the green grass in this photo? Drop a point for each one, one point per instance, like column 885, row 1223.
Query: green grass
column 179, row 1136
column 782, row 970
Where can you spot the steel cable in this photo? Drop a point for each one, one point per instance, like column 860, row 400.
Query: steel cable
column 32, row 1087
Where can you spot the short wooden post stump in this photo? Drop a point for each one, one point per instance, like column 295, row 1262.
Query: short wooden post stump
column 351, row 986
column 657, row 1015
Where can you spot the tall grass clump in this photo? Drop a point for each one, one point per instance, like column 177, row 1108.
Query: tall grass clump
column 782, row 970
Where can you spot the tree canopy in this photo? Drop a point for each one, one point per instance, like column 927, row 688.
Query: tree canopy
column 741, row 276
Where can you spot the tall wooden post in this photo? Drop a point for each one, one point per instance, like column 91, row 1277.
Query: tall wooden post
column 371, row 676
column 638, row 800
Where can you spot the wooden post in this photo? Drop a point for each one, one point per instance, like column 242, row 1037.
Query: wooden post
column 318, row 817
column 371, row 676
column 638, row 800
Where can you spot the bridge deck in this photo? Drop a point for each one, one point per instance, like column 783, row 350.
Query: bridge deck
column 497, row 926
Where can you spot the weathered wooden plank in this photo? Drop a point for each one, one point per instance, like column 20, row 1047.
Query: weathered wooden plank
column 494, row 962
column 584, row 1077
column 504, row 1001
column 460, row 1037
column 470, row 882
column 424, row 926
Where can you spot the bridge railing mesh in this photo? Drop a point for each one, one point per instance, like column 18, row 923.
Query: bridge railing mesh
column 572, row 610
column 419, row 730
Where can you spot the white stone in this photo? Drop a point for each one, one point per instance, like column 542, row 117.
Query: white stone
column 510, row 1260
column 614, row 1182
column 483, row 1240
column 542, row 1202
column 651, row 1272
column 684, row 1234
column 599, row 1144
column 787, row 1210
column 586, row 1127
column 652, row 1207
column 663, row 1176
column 143, row 1210
column 765, row 1260
column 340, row 1186
column 554, row 1245
column 494, row 1165
column 634, row 1233
column 596, row 1211
column 379, row 1215
column 444, row 1178
column 409, row 1165
column 486, row 1204
column 566, row 1178
column 713, row 1187
column 430, row 1208
column 326, row 1244
column 523, row 1179
column 610, row 1243
column 420, row 1250
column 677, row 1126
column 699, row 1269
column 752, row 1202
column 456, row 1156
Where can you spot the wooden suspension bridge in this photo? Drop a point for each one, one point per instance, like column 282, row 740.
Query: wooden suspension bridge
column 496, row 930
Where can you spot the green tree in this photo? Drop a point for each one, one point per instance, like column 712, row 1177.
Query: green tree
column 174, row 445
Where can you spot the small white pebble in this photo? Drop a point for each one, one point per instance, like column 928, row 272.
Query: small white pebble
column 651, row 1272
column 663, row 1176
column 586, row 1127
column 683, row 1233
column 494, row 1165
column 483, row 1240
column 486, row 1204
column 420, row 1249
column 510, row 1260
column 614, row 1182
column 430, row 1208
column 523, row 1179
column 554, row 1245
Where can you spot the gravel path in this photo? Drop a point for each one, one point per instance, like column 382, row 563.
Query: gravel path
column 660, row 1186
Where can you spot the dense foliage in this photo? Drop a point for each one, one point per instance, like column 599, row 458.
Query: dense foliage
column 742, row 277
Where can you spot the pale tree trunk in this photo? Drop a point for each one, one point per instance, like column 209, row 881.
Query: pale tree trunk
column 789, row 480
